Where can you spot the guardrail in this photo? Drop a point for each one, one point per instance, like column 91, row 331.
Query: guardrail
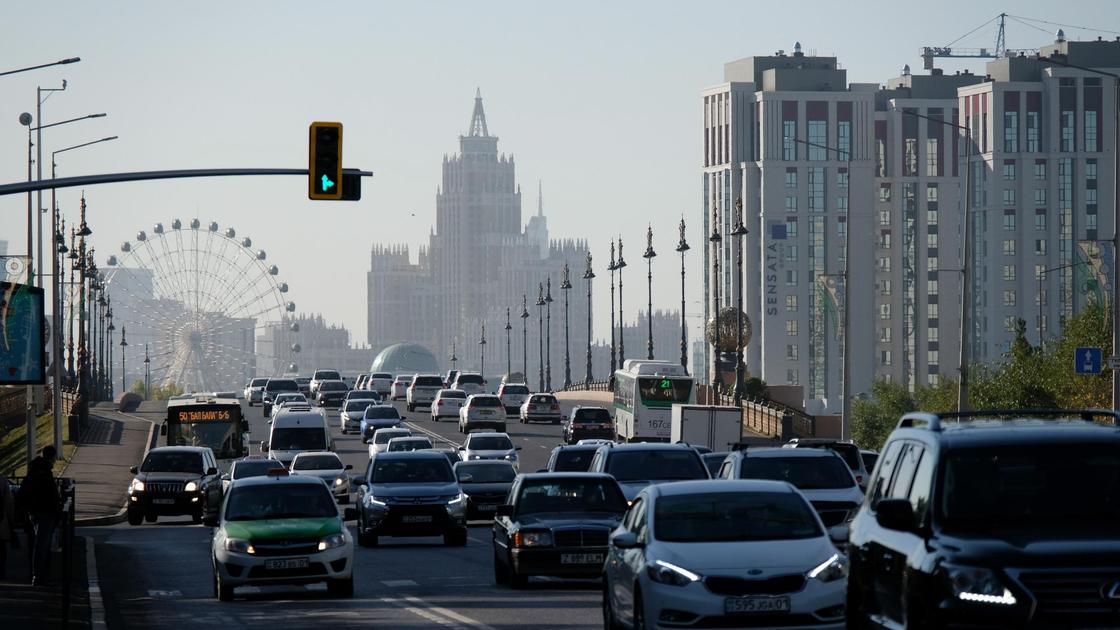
column 593, row 386
column 766, row 416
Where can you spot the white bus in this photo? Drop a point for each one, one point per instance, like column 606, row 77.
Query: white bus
column 644, row 393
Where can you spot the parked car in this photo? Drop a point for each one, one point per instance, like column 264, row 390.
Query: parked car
column 411, row 494
column 638, row 465
column 513, row 395
column 399, row 390
column 586, row 422
column 328, row 467
column 254, row 389
column 486, row 484
column 482, row 411
column 709, row 553
column 174, row 481
column 447, row 404
column 540, row 408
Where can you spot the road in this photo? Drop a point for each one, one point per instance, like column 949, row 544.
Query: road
column 159, row 575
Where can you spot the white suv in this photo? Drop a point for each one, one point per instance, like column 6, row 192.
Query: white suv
column 513, row 395
column 470, row 382
column 482, row 411
column 322, row 375
column 422, row 390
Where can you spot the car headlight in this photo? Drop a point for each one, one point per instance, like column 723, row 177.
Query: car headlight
column 192, row 486
column 137, row 486
column 339, row 481
column 667, row 573
column 456, row 499
column 331, row 542
column 511, row 457
column 532, row 539
column 374, row 501
column 835, row 568
column 240, row 546
column 977, row 584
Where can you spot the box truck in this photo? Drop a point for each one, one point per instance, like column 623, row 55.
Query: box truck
column 713, row 426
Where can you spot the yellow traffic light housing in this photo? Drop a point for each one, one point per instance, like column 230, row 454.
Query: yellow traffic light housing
column 324, row 167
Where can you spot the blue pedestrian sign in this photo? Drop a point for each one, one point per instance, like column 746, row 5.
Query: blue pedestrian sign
column 1087, row 361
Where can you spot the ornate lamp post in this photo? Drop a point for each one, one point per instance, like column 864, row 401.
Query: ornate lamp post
column 509, row 356
column 589, row 275
column 682, row 247
column 612, row 267
column 540, row 336
column 109, row 352
column 620, row 264
column 524, row 338
column 649, row 256
column 566, row 286
column 70, row 334
column 716, row 239
column 454, row 358
column 147, row 374
column 124, row 379
column 482, row 350
column 739, row 232
column 548, row 335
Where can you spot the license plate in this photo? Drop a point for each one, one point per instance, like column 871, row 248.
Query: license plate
column 485, row 412
column 163, row 501
column 415, row 518
column 581, row 558
column 747, row 605
column 486, row 508
column 286, row 563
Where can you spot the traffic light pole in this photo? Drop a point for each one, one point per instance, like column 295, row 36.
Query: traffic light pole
column 138, row 176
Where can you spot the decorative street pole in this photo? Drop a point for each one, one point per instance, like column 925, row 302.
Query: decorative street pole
column 548, row 335
column 147, row 374
column 454, row 358
column 509, row 356
column 612, row 267
column 649, row 256
column 540, row 336
column 589, row 275
column 70, row 334
column 109, row 351
column 739, row 232
column 124, row 344
column 524, row 338
column 80, row 410
column 716, row 239
column 620, row 264
column 482, row 348
column 566, row 286
column 682, row 247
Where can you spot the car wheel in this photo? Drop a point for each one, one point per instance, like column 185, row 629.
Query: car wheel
column 367, row 539
column 150, row 518
column 341, row 588
column 456, row 538
column 221, row 589
column 135, row 517
column 853, row 606
column 501, row 571
column 610, row 622
column 196, row 517
column 639, row 621
column 516, row 580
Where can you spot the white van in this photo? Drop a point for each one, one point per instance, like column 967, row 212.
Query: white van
column 294, row 430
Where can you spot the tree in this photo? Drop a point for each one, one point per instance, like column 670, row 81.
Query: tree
column 875, row 416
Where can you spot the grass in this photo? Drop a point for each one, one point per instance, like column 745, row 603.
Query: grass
column 13, row 447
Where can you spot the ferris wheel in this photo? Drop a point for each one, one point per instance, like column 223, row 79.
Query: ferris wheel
column 210, row 308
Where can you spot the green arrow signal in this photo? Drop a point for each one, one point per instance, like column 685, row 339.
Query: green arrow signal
column 327, row 183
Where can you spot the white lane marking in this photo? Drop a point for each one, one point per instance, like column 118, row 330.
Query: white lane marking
column 473, row 623
column 96, row 604
column 398, row 583
column 157, row 593
column 431, row 434
column 420, row 612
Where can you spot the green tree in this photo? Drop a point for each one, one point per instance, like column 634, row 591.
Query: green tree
column 875, row 416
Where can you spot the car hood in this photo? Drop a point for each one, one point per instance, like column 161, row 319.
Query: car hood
column 271, row 529
column 485, row 488
column 329, row 475
column 569, row 519
column 1025, row 547
column 414, row 489
column 737, row 558
column 492, row 454
column 852, row 494
column 156, row 475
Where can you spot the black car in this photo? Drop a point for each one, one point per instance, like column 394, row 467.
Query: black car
column 331, row 393
column 486, row 484
column 571, row 458
column 555, row 524
column 175, row 481
column 410, row 493
column 637, row 465
column 274, row 387
column 585, row 423
column 991, row 523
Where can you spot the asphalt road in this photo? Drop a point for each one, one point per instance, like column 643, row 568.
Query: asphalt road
column 159, row 575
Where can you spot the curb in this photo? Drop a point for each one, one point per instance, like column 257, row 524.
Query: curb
column 121, row 515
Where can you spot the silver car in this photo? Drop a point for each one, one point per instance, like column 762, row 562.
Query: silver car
column 328, row 467
column 254, row 389
column 350, row 414
column 479, row 446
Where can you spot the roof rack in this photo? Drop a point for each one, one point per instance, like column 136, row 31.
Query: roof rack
column 932, row 421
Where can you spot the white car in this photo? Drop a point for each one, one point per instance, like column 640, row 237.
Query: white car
column 254, row 389
column 248, row 549
column 513, row 395
column 482, row 411
column 328, row 467
column 447, row 404
column 322, row 375
column 480, row 446
column 409, row 443
column 704, row 551
column 380, row 440
column 539, row 407
column 422, row 390
column 380, row 382
column 470, row 382
column 286, row 400
column 399, row 390
column 350, row 414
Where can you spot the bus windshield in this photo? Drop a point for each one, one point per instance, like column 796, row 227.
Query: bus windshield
column 224, row 438
column 666, row 390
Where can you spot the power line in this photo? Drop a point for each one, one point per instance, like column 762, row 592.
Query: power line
column 1082, row 28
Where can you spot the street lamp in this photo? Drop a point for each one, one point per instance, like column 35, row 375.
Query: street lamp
column 566, row 286
column 112, row 327
column 482, row 349
column 540, row 336
column 45, row 65
column 589, row 275
column 147, row 374
column 682, row 247
column 124, row 380
column 620, row 264
column 649, row 256
column 716, row 239
column 454, row 359
column 548, row 335
column 739, row 232
column 611, row 266
column 509, row 356
column 524, row 338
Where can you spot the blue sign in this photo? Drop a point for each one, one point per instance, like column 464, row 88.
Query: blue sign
column 1087, row 361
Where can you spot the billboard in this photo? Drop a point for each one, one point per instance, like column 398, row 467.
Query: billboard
column 22, row 335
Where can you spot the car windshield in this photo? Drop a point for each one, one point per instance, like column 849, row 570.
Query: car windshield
column 282, row 386
column 326, row 461
column 486, row 401
column 805, row 473
column 570, row 495
column 471, row 379
column 259, row 382
column 591, row 416
column 327, row 375
column 382, row 413
column 254, row 503
column 298, row 439
column 425, row 470
column 409, row 444
column 497, row 472
column 254, row 468
column 1025, row 486
column 732, row 516
column 383, row 437
column 429, row 381
column 515, row 389
column 573, row 460
column 381, row 375
column 490, row 443
column 659, row 465
column 172, row 461
column 452, row 393
column 333, row 386
column 363, row 394
column 357, row 405
column 283, row 398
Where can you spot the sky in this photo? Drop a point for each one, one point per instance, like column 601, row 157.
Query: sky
column 598, row 101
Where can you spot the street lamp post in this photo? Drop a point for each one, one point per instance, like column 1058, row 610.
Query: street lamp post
column 649, row 256
column 1039, row 277
column 524, row 338
column 147, row 374
column 540, row 337
column 612, row 267
column 589, row 275
column 482, row 350
column 739, row 232
column 566, row 286
column 454, row 359
column 112, row 327
column 715, row 239
column 620, row 264
column 124, row 379
column 44, row 65
column 548, row 335
column 509, row 355
column 682, row 247
column 73, row 257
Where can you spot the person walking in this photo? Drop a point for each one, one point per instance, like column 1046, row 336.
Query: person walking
column 7, row 523
column 39, row 493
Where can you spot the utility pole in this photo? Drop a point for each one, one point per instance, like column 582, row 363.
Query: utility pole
column 620, row 264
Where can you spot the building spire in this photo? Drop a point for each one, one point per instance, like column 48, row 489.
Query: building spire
column 540, row 200
column 478, row 117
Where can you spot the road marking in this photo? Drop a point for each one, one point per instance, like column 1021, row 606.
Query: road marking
column 431, row 434
column 398, row 583
column 420, row 612
column 157, row 593
column 473, row 623
column 96, row 605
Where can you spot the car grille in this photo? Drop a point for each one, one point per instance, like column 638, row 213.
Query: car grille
column 580, row 537
column 488, row 497
column 834, row 512
column 405, row 501
column 777, row 585
column 314, row 568
column 1073, row 596
column 164, row 487
column 294, row 547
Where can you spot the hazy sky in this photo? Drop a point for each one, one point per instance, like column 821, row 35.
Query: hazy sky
column 599, row 100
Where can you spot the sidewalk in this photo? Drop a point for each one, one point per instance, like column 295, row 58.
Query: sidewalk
column 23, row 606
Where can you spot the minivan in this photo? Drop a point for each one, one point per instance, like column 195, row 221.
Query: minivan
column 295, row 430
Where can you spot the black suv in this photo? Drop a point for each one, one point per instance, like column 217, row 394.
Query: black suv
column 175, row 481
column 1002, row 519
column 588, row 423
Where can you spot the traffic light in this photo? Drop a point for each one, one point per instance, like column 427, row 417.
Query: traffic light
column 324, row 167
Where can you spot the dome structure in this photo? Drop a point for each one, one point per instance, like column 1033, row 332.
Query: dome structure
column 405, row 358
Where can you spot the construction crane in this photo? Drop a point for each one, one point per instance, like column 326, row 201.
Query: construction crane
column 1000, row 50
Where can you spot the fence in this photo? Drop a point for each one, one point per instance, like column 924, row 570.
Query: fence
column 765, row 416
column 593, row 386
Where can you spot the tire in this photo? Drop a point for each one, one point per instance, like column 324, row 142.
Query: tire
column 516, row 580
column 196, row 517
column 639, row 611
column 150, row 518
column 135, row 517
column 367, row 539
column 501, row 571
column 223, row 591
column 610, row 622
column 341, row 588
column 456, row 538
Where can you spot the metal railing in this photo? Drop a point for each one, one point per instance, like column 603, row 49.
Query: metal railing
column 765, row 416
column 593, row 386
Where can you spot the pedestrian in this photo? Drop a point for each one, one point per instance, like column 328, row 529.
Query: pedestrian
column 7, row 523
column 39, row 493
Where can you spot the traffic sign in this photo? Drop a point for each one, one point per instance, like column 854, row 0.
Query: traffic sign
column 1087, row 360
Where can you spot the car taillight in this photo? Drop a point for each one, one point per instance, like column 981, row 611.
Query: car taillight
column 859, row 478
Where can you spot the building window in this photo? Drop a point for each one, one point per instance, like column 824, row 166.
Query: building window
column 816, row 189
column 1009, row 247
column 791, row 303
column 1040, row 169
column 1090, row 130
column 789, row 146
column 910, row 158
column 931, row 217
column 884, row 217
column 1032, row 132
column 1009, row 323
column 885, row 287
column 931, row 263
column 844, row 140
column 1040, row 247
column 791, row 277
column 1090, row 222
column 931, row 157
column 842, row 179
column 931, row 287
column 885, row 357
column 885, row 239
column 1090, row 169
column 818, row 140
column 1066, row 120
column 885, row 264
column 791, row 327
column 1090, row 196
column 791, row 352
column 842, row 229
column 791, row 204
column 931, row 193
column 885, row 193
column 1009, row 297
column 1040, row 298
column 1009, row 273
column 1009, row 222
column 931, row 357
column 1009, row 170
column 884, row 311
column 791, row 228
column 1008, row 197
column 932, row 334
column 885, row 335
column 791, row 178
column 931, row 311
column 791, row 377
column 1011, row 131
column 1040, row 221
column 791, row 253
column 1039, row 197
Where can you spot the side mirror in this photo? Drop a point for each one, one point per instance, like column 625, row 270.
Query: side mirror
column 896, row 514
column 626, row 540
column 504, row 510
column 163, row 429
column 134, row 470
column 210, row 520
column 838, row 534
column 462, row 448
column 211, row 471
column 350, row 514
column 349, row 466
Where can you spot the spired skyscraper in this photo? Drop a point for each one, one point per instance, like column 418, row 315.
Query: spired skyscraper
column 480, row 260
